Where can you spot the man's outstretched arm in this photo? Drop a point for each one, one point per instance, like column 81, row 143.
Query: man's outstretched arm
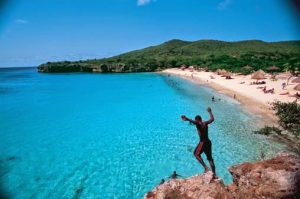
column 184, row 118
column 211, row 119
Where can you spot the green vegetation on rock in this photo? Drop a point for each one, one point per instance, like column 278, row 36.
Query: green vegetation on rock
column 288, row 119
column 211, row 54
column 289, row 116
column 268, row 130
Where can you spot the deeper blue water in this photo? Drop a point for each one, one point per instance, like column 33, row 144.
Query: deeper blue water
column 111, row 135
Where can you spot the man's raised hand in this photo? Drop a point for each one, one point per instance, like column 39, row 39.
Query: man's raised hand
column 209, row 109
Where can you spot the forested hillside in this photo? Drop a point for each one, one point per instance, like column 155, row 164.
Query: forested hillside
column 212, row 54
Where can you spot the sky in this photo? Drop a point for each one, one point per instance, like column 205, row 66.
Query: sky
column 36, row 31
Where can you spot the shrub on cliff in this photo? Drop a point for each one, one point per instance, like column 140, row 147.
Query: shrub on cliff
column 288, row 115
column 268, row 130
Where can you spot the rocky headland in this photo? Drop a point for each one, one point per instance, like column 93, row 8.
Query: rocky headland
column 278, row 177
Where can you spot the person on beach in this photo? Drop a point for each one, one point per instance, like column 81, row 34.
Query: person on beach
column 283, row 85
column 205, row 143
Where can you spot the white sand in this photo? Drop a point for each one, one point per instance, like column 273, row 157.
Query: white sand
column 249, row 95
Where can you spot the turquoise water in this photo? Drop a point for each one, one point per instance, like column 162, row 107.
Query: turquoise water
column 111, row 135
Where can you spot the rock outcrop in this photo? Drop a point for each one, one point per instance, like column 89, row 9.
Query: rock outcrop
column 275, row 178
column 269, row 179
column 199, row 186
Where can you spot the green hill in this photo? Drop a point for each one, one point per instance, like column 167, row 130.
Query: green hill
column 211, row 54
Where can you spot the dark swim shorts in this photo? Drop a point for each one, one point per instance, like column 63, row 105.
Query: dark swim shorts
column 206, row 148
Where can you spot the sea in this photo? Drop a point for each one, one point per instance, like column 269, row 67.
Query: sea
column 86, row 135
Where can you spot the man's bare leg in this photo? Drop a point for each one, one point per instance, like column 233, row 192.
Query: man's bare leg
column 198, row 157
column 197, row 154
column 213, row 168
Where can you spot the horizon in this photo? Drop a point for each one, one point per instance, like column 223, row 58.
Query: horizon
column 33, row 33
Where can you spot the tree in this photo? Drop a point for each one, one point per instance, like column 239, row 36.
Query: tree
column 289, row 116
column 104, row 68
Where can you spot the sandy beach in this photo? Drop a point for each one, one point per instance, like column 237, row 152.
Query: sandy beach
column 251, row 96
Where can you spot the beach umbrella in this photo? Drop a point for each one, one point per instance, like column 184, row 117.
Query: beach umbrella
column 205, row 69
column 260, row 74
column 284, row 75
column 296, row 80
column 273, row 68
column 247, row 67
column 183, row 66
column 297, row 88
column 221, row 71
column 191, row 68
column 227, row 74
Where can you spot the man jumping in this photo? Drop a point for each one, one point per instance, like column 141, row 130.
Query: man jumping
column 205, row 143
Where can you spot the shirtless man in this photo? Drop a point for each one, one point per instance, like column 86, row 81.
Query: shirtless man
column 205, row 143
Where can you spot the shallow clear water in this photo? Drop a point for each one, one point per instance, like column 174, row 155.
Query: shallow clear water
column 111, row 135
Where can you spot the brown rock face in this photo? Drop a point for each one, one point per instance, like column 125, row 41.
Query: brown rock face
column 275, row 178
column 270, row 179
column 199, row 186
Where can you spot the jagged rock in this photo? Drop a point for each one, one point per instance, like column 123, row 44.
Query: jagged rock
column 199, row 186
column 275, row 178
column 269, row 179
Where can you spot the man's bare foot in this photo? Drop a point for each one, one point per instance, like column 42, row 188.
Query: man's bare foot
column 206, row 170
column 215, row 177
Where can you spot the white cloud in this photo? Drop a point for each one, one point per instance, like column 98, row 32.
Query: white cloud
column 224, row 4
column 21, row 21
column 144, row 2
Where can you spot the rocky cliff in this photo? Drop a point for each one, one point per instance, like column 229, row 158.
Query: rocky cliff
column 269, row 179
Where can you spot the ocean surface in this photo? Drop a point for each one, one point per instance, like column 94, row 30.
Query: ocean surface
column 112, row 135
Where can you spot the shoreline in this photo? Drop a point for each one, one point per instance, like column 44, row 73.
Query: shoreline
column 265, row 115
column 263, row 111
